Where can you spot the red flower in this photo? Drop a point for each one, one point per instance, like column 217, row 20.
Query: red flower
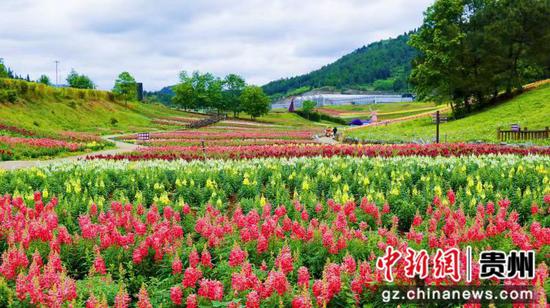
column 253, row 300
column 192, row 301
column 206, row 258
column 191, row 276
column 176, row 295
column 303, row 277
column 194, row 258
column 177, row 265
column 236, row 256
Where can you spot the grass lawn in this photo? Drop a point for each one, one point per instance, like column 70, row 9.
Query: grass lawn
column 287, row 119
column 531, row 110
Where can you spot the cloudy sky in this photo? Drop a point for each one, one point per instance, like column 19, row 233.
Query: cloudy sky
column 155, row 39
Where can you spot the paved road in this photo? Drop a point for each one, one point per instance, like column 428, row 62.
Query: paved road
column 121, row 147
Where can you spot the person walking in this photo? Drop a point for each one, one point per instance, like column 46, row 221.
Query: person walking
column 334, row 131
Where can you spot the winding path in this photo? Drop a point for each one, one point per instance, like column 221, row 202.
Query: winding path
column 121, row 147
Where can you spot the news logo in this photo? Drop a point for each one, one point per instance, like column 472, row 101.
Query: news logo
column 447, row 264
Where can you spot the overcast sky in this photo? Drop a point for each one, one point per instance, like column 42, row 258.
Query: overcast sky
column 155, row 39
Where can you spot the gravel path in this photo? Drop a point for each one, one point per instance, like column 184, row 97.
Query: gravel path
column 121, row 147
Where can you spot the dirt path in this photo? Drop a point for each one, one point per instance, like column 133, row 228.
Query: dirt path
column 326, row 140
column 121, row 147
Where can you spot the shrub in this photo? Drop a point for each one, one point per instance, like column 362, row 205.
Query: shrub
column 114, row 121
column 8, row 96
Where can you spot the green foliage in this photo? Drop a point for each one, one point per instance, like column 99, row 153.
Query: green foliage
column 528, row 110
column 9, row 96
column 198, row 91
column 233, row 86
column 3, row 69
column 254, row 101
column 81, row 110
column 126, row 87
column 44, row 80
column 387, row 59
column 472, row 50
column 308, row 106
column 79, row 81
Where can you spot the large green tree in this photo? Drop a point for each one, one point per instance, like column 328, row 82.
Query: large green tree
column 198, row 91
column 471, row 50
column 254, row 101
column 78, row 81
column 233, row 86
column 126, row 87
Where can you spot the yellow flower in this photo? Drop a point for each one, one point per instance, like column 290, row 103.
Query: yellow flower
column 45, row 193
column 246, row 181
column 305, row 185
column 437, row 190
column 262, row 201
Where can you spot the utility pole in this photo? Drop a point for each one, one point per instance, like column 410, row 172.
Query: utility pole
column 56, row 78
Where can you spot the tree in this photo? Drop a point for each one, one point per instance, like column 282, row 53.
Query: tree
column 470, row 50
column 3, row 69
column 254, row 101
column 184, row 92
column 126, row 87
column 79, row 81
column 44, row 80
column 233, row 86
column 307, row 107
column 202, row 91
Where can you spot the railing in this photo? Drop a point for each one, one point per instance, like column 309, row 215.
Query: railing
column 206, row 122
column 522, row 134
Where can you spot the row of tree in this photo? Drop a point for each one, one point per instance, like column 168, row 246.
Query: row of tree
column 231, row 94
column 472, row 51
column 125, row 85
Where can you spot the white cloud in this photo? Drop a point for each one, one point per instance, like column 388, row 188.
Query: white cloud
column 154, row 40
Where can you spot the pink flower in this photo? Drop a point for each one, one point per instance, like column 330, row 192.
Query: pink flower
column 192, row 301
column 303, row 277
column 236, row 256
column 176, row 295
column 177, row 265
column 143, row 298
column 191, row 276
column 206, row 259
column 194, row 258
column 253, row 300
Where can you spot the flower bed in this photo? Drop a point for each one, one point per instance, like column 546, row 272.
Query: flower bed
column 302, row 232
column 309, row 150
column 223, row 134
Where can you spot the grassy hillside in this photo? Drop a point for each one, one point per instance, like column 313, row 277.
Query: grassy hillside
column 385, row 111
column 383, row 65
column 531, row 110
column 48, row 110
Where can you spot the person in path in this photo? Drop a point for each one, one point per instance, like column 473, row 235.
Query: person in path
column 334, row 131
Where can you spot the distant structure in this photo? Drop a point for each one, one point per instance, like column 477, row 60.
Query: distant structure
column 343, row 99
column 139, row 87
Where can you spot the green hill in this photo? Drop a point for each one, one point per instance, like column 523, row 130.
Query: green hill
column 530, row 109
column 48, row 110
column 383, row 66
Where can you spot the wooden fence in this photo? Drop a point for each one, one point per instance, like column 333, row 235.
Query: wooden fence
column 522, row 134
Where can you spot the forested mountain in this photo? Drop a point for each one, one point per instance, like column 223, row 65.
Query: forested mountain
column 384, row 66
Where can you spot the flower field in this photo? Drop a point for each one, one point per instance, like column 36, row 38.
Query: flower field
column 19, row 143
column 298, row 232
column 233, row 149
